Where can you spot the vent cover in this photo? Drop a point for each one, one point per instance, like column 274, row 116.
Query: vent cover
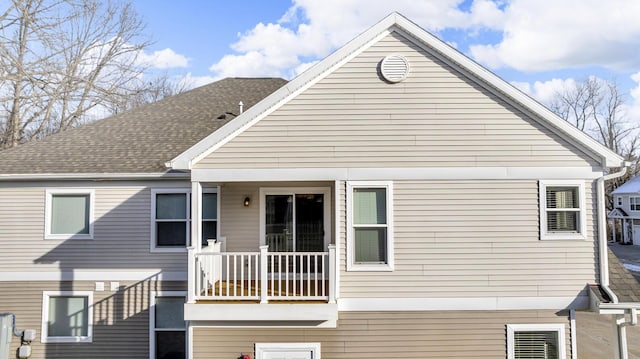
column 394, row 68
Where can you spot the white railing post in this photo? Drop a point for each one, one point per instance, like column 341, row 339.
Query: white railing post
column 263, row 273
column 191, row 286
column 332, row 273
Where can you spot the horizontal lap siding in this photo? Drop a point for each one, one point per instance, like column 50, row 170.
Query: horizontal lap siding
column 463, row 334
column 121, row 230
column 435, row 118
column 121, row 319
column 240, row 225
column 474, row 239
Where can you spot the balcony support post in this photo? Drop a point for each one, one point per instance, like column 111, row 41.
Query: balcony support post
column 332, row 273
column 263, row 274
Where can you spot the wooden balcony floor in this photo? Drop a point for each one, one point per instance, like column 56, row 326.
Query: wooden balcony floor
column 297, row 288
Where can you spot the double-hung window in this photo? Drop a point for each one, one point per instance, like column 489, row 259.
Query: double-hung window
column 171, row 218
column 634, row 203
column 69, row 214
column 526, row 341
column 67, row 317
column 562, row 210
column 370, row 226
column 167, row 326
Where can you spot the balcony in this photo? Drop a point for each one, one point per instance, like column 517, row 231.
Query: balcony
column 261, row 286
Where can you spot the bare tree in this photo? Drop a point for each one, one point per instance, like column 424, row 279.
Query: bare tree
column 62, row 62
column 596, row 107
column 149, row 91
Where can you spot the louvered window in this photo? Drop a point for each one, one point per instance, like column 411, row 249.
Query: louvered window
column 562, row 210
column 536, row 345
column 535, row 341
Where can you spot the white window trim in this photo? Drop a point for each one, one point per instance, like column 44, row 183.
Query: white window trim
column 619, row 201
column 631, row 204
column 263, row 348
column 152, row 320
column 48, row 211
column 512, row 328
column 45, row 338
column 179, row 190
column 544, row 235
column 383, row 267
column 326, row 191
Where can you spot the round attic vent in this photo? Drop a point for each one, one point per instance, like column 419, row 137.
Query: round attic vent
column 394, row 68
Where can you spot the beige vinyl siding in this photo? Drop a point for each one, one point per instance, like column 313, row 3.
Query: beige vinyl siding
column 435, row 118
column 240, row 225
column 120, row 319
column 475, row 239
column 121, row 230
column 461, row 334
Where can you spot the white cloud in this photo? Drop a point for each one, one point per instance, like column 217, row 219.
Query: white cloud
column 189, row 81
column 633, row 106
column 545, row 91
column 566, row 34
column 311, row 29
column 163, row 59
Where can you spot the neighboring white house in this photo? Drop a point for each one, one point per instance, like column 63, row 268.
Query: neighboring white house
column 395, row 200
column 625, row 215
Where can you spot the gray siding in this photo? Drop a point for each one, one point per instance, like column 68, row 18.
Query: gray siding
column 121, row 230
column 462, row 334
column 475, row 239
column 120, row 319
column 435, row 118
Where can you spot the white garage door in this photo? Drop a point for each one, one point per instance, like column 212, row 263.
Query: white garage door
column 287, row 350
column 298, row 354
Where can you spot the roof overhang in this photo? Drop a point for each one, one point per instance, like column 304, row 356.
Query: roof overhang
column 94, row 176
column 396, row 22
column 617, row 213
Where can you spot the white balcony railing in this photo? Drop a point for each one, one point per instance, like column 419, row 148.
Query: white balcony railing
column 263, row 275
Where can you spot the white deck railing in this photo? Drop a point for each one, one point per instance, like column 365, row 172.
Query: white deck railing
column 262, row 275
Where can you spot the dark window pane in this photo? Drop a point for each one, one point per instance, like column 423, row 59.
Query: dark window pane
column 210, row 206
column 171, row 206
column 169, row 312
column 170, row 345
column 371, row 245
column 171, row 234
column 208, row 230
column 309, row 222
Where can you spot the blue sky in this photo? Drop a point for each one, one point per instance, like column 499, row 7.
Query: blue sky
column 537, row 48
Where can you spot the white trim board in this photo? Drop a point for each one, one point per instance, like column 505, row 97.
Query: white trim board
column 396, row 173
column 91, row 276
column 471, row 303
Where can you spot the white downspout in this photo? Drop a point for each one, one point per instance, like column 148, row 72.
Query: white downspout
column 602, row 232
column 621, row 329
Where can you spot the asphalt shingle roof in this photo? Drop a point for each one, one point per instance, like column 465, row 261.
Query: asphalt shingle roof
column 140, row 140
